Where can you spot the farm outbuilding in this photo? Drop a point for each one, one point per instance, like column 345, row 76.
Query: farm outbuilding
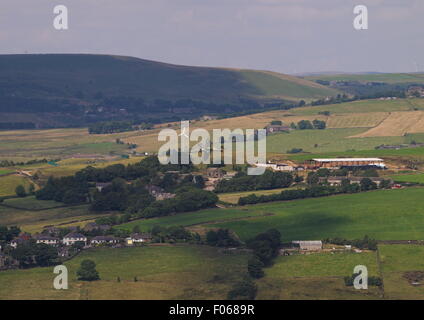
column 315, row 245
column 347, row 162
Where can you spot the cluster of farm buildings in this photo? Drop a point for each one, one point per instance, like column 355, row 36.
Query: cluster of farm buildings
column 337, row 163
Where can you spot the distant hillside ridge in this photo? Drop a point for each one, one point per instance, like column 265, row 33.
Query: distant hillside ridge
column 89, row 88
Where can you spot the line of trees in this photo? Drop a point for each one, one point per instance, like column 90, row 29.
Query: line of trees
column 265, row 248
column 308, row 125
column 117, row 126
column 365, row 243
column 244, row 182
column 315, row 190
column 311, row 192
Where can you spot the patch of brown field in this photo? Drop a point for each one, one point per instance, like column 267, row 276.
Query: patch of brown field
column 414, row 277
column 397, row 124
column 357, row 120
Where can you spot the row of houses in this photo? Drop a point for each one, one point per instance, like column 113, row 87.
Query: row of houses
column 74, row 237
column 336, row 163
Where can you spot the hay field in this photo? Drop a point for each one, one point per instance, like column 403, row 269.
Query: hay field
column 364, row 106
column 397, row 124
column 51, row 143
column 357, row 120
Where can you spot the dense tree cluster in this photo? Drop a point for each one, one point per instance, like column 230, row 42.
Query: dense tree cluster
column 173, row 234
column 308, row 125
column 17, row 125
column 8, row 233
column 32, row 254
column 10, row 163
column 340, row 98
column 87, row 271
column 266, row 246
column 245, row 289
column 117, row 126
column 69, row 190
column 132, row 197
column 364, row 243
column 221, row 238
column 311, row 192
column 186, row 199
column 372, row 280
column 244, row 182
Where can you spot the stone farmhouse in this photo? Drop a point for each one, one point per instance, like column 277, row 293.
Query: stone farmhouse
column 46, row 239
column 73, row 237
column 138, row 238
column 104, row 240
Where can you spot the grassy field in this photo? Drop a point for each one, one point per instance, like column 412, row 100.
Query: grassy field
column 316, row 276
column 233, row 197
column 31, row 202
column 414, row 178
column 68, row 167
column 56, row 143
column 382, row 77
column 8, row 184
column 364, row 106
column 279, row 85
column 163, row 272
column 5, row 171
column 395, row 261
column 328, row 140
column 383, row 215
column 35, row 221
column 193, row 218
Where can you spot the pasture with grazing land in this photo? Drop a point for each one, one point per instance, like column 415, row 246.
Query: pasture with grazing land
column 373, row 77
column 397, row 261
column 193, row 218
column 414, row 178
column 163, row 272
column 48, row 214
column 317, row 276
column 328, row 140
column 382, row 215
column 363, row 106
column 9, row 183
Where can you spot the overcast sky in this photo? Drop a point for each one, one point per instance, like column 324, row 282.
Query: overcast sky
column 290, row 36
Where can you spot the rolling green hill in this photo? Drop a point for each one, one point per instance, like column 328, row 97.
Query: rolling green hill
column 372, row 77
column 79, row 84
